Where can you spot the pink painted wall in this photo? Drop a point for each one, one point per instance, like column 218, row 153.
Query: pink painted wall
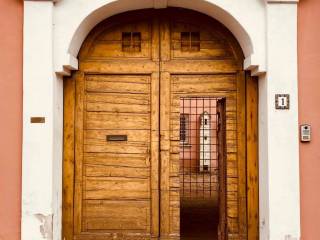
column 309, row 112
column 11, row 25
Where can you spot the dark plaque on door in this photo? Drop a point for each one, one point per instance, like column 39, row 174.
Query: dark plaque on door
column 117, row 138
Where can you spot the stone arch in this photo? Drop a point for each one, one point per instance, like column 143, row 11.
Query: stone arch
column 97, row 11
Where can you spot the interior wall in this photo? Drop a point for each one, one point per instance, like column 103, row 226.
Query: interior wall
column 11, row 23
column 309, row 112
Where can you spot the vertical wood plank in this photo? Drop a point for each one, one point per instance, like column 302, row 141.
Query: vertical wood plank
column 68, row 158
column 221, row 110
column 252, row 157
column 79, row 121
column 241, row 142
column 165, row 154
column 165, row 50
column 155, row 104
column 155, row 39
column 164, row 131
column 155, row 128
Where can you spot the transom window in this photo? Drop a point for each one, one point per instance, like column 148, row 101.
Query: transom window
column 190, row 41
column 131, row 42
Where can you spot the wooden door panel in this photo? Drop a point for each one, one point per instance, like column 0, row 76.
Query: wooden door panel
column 108, row 214
column 116, row 171
column 200, row 66
column 104, row 120
column 134, row 69
column 201, row 63
column 118, row 84
column 223, row 86
column 200, row 84
column 119, row 148
column 114, row 177
column 119, row 67
column 117, row 188
column 115, row 98
column 114, row 102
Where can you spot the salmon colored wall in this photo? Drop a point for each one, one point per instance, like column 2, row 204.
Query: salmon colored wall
column 11, row 26
column 309, row 112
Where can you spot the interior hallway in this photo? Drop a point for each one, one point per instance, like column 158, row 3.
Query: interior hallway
column 199, row 219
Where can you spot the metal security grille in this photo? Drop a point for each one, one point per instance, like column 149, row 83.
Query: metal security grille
column 198, row 147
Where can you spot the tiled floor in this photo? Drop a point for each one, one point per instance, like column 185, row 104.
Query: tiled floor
column 199, row 220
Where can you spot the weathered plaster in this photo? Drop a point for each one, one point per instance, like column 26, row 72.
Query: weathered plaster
column 45, row 225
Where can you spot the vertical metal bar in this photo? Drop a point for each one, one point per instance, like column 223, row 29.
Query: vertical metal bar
column 182, row 149
column 203, row 145
column 210, row 169
column 217, row 146
column 190, row 151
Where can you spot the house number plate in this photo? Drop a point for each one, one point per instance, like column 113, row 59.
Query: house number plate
column 282, row 101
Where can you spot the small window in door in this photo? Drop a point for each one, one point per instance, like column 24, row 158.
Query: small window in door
column 190, row 41
column 131, row 42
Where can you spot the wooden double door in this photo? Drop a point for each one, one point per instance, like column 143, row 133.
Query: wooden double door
column 121, row 126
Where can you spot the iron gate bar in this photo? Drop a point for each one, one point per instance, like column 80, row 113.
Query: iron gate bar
column 199, row 147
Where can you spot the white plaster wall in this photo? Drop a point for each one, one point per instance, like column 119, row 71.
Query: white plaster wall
column 283, row 135
column 263, row 159
column 53, row 35
column 57, row 155
column 38, row 140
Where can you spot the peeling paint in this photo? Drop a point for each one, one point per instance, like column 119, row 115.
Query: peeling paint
column 290, row 237
column 46, row 225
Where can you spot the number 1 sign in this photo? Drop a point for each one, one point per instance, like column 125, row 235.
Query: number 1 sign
column 282, row 101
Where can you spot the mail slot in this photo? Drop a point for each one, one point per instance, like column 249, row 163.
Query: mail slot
column 117, row 138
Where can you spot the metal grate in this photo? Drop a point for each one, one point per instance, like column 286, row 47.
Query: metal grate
column 198, row 147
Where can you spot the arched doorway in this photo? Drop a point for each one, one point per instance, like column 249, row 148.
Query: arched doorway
column 126, row 174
